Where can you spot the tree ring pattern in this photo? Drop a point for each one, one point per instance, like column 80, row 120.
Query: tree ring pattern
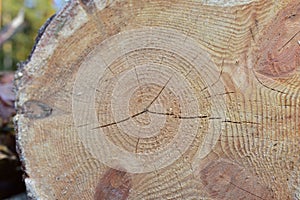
column 141, row 97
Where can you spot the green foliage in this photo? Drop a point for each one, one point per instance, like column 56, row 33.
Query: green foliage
column 19, row 46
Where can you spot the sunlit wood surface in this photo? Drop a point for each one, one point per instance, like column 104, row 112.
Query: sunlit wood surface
column 178, row 99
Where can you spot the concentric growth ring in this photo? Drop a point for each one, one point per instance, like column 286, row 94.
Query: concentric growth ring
column 142, row 96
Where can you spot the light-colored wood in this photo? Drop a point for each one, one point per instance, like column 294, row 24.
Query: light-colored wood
column 179, row 99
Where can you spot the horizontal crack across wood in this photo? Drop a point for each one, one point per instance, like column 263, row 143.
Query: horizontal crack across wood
column 157, row 113
column 225, row 93
column 239, row 122
column 178, row 116
column 139, row 113
column 123, row 120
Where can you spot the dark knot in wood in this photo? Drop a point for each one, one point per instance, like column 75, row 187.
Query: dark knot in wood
column 34, row 109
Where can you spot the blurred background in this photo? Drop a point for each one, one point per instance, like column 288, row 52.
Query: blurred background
column 20, row 21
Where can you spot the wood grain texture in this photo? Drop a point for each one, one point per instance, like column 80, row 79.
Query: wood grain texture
column 138, row 99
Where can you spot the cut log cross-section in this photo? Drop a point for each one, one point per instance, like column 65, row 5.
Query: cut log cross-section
column 181, row 99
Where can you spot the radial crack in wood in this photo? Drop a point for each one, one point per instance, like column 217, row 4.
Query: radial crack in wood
column 157, row 99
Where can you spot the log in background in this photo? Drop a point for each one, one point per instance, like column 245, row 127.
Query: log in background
column 136, row 99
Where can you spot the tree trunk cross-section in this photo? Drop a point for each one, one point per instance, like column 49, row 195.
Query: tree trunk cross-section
column 179, row 99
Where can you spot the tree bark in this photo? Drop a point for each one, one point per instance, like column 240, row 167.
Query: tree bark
column 163, row 99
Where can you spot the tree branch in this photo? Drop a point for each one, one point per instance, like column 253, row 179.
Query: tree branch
column 7, row 32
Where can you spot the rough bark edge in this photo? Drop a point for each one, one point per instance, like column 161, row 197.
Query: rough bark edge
column 30, row 189
column 48, row 32
column 29, row 183
column 31, row 194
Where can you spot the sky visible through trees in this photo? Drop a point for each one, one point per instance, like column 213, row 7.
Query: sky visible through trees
column 19, row 46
